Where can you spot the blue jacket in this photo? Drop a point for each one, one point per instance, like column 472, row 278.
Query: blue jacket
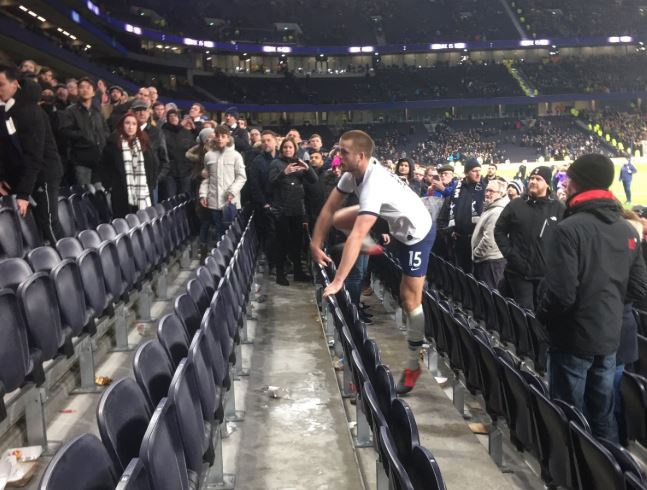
column 627, row 172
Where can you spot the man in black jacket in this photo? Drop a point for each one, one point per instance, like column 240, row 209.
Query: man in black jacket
column 85, row 131
column 261, row 192
column 30, row 166
column 464, row 207
column 523, row 229
column 240, row 135
column 178, row 141
column 594, row 266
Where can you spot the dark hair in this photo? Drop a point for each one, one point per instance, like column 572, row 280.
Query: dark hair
column 11, row 72
column 199, row 105
column 412, row 168
column 86, row 80
column 221, row 129
column 315, row 135
column 45, row 69
column 158, row 103
column 269, row 131
column 314, row 152
column 289, row 140
column 120, row 134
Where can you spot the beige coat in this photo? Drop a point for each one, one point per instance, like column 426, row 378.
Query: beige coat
column 226, row 176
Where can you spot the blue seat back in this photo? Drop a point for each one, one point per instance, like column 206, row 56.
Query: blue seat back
column 153, row 371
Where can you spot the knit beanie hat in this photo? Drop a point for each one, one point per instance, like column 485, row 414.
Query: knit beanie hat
column 544, row 172
column 592, row 171
column 204, row 135
column 471, row 164
column 518, row 185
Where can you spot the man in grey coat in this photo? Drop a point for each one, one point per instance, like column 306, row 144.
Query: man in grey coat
column 489, row 263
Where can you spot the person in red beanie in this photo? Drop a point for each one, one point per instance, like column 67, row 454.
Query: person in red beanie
column 594, row 266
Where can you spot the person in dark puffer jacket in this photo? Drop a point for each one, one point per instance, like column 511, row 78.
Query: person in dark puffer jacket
column 594, row 267
column 178, row 141
column 521, row 233
column 287, row 175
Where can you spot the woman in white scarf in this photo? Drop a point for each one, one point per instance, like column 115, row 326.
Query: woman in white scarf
column 128, row 167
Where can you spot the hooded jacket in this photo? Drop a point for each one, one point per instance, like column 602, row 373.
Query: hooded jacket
column 484, row 245
column 523, row 228
column 594, row 267
column 226, row 176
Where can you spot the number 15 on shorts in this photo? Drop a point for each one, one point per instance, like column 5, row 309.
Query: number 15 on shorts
column 415, row 259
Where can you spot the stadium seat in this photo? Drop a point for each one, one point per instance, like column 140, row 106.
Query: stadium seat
column 398, row 477
column 595, row 466
column 161, row 452
column 188, row 313
column 523, row 343
column 198, row 294
column 423, row 470
column 121, row 226
column 134, row 477
column 172, row 336
column 106, row 231
column 207, row 280
column 209, row 388
column 633, row 390
column 66, row 217
column 403, row 428
column 504, row 323
column 11, row 241
column 385, row 389
column 31, row 237
column 153, row 371
column 81, row 464
column 79, row 212
column 123, row 415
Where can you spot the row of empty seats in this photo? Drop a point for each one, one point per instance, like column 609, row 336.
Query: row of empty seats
column 162, row 430
column 481, row 355
column 403, row 464
column 56, row 302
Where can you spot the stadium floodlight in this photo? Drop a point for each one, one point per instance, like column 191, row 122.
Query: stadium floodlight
column 190, row 42
column 133, row 29
column 367, row 49
column 269, row 49
column 354, row 49
column 23, row 8
column 626, row 39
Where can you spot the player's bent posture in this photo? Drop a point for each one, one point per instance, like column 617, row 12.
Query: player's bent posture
column 382, row 194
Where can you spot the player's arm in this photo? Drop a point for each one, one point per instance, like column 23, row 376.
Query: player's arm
column 323, row 224
column 352, row 247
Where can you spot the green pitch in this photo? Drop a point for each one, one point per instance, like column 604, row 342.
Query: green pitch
column 638, row 186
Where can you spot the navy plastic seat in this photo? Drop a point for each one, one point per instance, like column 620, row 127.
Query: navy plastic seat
column 134, row 477
column 198, row 294
column 106, row 231
column 188, row 410
column 173, row 338
column 37, row 298
column 385, row 389
column 129, row 271
column 161, row 451
column 139, row 251
column 11, row 241
column 123, row 415
column 625, row 460
column 219, row 258
column 153, row 371
column 78, row 212
column 209, row 389
column 16, row 361
column 31, row 237
column 207, row 280
column 81, row 464
column 424, row 471
column 188, row 313
column 75, row 312
column 491, row 377
column 133, row 220
column 404, row 430
column 100, row 201
column 13, row 271
column 398, row 477
column 120, row 226
column 633, row 390
column 43, row 259
column 595, row 466
column 66, row 217
column 115, row 283
column 143, row 216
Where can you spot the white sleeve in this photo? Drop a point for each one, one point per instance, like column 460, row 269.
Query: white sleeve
column 345, row 184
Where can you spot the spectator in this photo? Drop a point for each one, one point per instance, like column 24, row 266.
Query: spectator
column 225, row 178
column 316, row 144
column 261, row 194
column 254, row 136
column 446, row 183
column 491, row 174
column 287, row 175
column 153, row 95
column 156, row 141
column 128, row 167
column 626, row 176
column 240, row 135
column 488, row 259
column 463, row 209
column 85, row 132
column 523, row 229
column 515, row 189
column 144, row 95
column 62, row 98
column 29, row 66
column 315, row 192
column 178, row 141
column 30, row 166
column 159, row 113
column 405, row 169
column 594, row 267
column 46, row 77
column 72, row 86
column 196, row 113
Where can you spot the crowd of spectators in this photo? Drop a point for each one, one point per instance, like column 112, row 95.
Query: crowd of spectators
column 580, row 18
column 630, row 128
column 383, row 84
column 597, row 74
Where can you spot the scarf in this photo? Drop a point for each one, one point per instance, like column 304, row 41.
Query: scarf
column 136, row 183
